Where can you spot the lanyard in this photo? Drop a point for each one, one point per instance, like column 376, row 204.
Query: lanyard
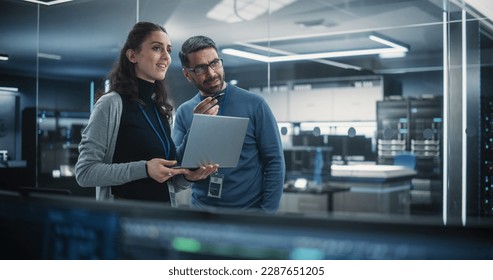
column 165, row 147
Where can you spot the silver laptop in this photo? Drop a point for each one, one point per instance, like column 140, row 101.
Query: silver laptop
column 214, row 140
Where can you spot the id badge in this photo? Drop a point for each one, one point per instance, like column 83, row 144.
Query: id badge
column 215, row 186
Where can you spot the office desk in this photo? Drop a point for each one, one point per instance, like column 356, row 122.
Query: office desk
column 295, row 200
column 13, row 164
column 14, row 174
column 372, row 188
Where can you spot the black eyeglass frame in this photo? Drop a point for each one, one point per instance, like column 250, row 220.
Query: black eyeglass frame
column 206, row 66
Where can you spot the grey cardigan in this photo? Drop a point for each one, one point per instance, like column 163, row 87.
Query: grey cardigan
column 94, row 167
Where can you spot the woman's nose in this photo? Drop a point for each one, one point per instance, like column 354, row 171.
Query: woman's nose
column 166, row 55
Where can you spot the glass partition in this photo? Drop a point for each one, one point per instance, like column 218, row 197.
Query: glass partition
column 18, row 87
column 358, row 87
column 484, row 128
column 468, row 173
column 77, row 48
column 370, row 96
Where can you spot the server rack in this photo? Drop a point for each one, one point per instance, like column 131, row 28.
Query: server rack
column 415, row 127
column 486, row 144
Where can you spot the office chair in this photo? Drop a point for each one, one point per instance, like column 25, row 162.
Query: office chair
column 407, row 160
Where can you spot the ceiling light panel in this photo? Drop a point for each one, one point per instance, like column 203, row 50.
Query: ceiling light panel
column 48, row 2
column 9, row 89
column 49, row 56
column 323, row 43
column 232, row 11
column 374, row 45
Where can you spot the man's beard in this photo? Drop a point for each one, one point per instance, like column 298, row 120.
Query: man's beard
column 211, row 90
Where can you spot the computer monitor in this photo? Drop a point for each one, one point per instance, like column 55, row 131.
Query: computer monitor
column 342, row 145
column 61, row 227
column 308, row 163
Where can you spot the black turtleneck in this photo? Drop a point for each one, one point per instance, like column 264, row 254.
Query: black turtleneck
column 137, row 140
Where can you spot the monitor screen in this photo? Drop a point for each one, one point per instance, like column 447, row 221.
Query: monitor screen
column 58, row 227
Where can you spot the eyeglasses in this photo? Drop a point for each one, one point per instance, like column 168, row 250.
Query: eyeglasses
column 202, row 68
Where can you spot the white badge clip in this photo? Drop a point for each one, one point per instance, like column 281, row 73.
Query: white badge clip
column 215, row 186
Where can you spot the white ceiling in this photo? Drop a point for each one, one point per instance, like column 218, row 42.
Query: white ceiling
column 87, row 34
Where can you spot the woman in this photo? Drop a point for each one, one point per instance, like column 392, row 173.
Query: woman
column 126, row 149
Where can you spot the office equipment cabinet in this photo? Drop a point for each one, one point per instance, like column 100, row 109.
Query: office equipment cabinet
column 486, row 161
column 411, row 126
column 414, row 126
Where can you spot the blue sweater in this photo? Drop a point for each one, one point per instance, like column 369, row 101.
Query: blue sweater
column 257, row 182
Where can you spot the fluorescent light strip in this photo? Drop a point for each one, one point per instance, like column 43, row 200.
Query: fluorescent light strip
column 310, row 56
column 323, row 61
column 392, row 55
column 388, row 43
column 4, row 57
column 50, row 56
column 392, row 45
column 409, row 70
column 9, row 89
column 244, row 54
column 332, row 54
column 394, row 48
column 54, row 2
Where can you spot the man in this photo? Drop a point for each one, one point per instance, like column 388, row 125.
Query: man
column 257, row 182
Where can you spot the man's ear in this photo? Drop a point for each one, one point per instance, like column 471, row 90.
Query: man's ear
column 131, row 55
column 186, row 74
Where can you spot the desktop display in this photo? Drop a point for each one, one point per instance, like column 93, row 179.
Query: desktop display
column 61, row 227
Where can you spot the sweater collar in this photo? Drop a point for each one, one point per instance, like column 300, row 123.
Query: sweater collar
column 202, row 97
column 146, row 90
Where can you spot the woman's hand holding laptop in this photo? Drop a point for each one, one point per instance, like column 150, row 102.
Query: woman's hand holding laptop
column 200, row 173
column 162, row 170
